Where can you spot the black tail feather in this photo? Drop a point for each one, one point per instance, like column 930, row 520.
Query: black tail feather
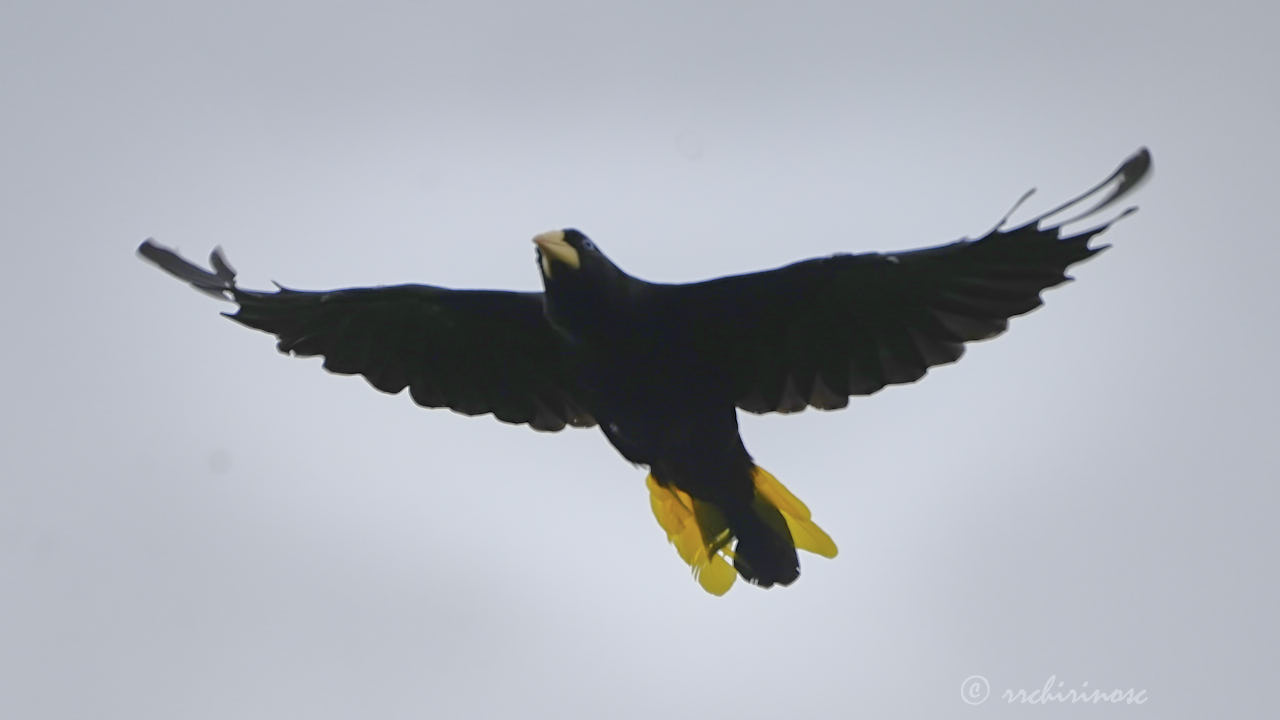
column 765, row 554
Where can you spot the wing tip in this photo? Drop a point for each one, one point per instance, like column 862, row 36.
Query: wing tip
column 1123, row 181
column 220, row 282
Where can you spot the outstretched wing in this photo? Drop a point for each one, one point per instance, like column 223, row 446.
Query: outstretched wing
column 816, row 332
column 475, row 351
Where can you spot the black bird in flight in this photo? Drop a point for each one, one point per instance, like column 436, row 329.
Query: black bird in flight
column 663, row 369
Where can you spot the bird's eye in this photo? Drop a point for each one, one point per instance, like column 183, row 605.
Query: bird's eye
column 587, row 244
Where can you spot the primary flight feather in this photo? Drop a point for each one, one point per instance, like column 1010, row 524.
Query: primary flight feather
column 662, row 369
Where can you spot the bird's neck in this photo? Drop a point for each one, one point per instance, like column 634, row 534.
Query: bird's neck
column 597, row 314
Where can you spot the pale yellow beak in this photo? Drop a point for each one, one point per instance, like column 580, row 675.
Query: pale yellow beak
column 553, row 246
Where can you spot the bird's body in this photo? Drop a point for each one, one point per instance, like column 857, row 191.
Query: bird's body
column 663, row 369
column 663, row 404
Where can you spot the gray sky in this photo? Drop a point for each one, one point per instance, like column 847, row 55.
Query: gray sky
column 192, row 526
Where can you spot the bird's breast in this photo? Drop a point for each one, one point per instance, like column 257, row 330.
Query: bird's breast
column 648, row 400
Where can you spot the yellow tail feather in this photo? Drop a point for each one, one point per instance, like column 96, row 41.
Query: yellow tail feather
column 806, row 533
column 674, row 510
column 704, row 545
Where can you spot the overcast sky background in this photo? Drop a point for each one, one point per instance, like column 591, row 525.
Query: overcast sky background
column 192, row 526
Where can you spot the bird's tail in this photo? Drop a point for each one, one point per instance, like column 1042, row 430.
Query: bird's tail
column 768, row 530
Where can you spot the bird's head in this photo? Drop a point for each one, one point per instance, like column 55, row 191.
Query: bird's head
column 584, row 289
column 568, row 259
